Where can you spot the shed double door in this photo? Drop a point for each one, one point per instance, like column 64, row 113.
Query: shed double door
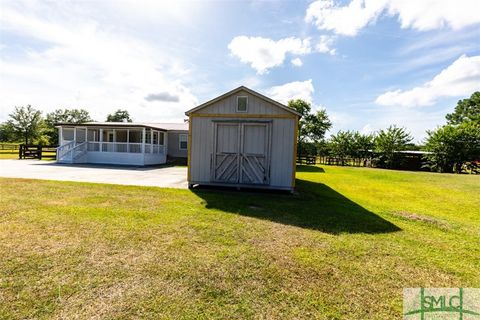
column 241, row 153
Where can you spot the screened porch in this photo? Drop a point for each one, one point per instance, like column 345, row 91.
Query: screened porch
column 112, row 144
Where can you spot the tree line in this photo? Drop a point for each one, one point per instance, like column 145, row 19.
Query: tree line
column 28, row 125
column 449, row 148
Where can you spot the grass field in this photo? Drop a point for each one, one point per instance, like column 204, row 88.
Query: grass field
column 9, row 154
column 343, row 247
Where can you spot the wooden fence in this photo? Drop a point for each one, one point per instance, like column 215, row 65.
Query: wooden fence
column 334, row 161
column 353, row 162
column 37, row 152
column 306, row 160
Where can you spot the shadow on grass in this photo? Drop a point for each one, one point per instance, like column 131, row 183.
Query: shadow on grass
column 315, row 206
column 304, row 168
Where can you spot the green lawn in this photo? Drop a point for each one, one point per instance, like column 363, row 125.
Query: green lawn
column 8, row 154
column 344, row 246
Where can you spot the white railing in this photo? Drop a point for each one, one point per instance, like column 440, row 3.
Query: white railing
column 93, row 146
column 64, row 152
column 154, row 148
column 125, row 147
column 79, row 150
column 73, row 150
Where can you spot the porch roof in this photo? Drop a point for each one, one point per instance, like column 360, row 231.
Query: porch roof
column 127, row 125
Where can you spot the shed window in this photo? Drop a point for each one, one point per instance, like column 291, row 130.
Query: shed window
column 183, row 141
column 242, row 103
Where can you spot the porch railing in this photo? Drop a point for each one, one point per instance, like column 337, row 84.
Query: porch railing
column 64, row 152
column 71, row 151
column 154, row 148
column 129, row 147
column 79, row 150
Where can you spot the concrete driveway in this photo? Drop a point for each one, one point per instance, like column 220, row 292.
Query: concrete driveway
column 158, row 176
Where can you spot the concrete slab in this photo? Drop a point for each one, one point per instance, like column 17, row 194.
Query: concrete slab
column 157, row 176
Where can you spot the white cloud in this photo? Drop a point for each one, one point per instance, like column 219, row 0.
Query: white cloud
column 324, row 45
column 292, row 90
column 264, row 53
column 297, row 62
column 420, row 15
column 434, row 14
column 461, row 78
column 347, row 20
column 81, row 63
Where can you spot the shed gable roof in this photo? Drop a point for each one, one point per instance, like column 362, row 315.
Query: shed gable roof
column 243, row 88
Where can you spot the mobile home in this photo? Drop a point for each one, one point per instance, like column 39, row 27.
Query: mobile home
column 121, row 143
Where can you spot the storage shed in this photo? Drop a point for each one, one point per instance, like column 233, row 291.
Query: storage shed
column 244, row 139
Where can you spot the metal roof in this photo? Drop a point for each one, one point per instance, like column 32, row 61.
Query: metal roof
column 171, row 126
column 149, row 125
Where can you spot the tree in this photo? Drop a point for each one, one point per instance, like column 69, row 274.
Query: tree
column 26, row 124
column 388, row 142
column 452, row 147
column 342, row 144
column 64, row 116
column 7, row 133
column 119, row 116
column 312, row 126
column 363, row 145
column 466, row 110
column 351, row 144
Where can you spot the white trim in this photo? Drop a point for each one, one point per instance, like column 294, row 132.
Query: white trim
column 180, row 140
column 246, row 105
column 128, row 140
column 151, row 140
column 100, row 139
column 143, row 140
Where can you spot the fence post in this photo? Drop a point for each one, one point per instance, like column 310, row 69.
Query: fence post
column 39, row 152
column 20, row 151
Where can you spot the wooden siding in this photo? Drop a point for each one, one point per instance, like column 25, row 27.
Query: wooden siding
column 283, row 141
column 256, row 106
column 201, row 149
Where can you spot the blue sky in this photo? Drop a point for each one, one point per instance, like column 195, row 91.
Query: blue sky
column 370, row 63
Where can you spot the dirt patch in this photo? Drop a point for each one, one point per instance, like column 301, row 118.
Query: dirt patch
column 424, row 219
